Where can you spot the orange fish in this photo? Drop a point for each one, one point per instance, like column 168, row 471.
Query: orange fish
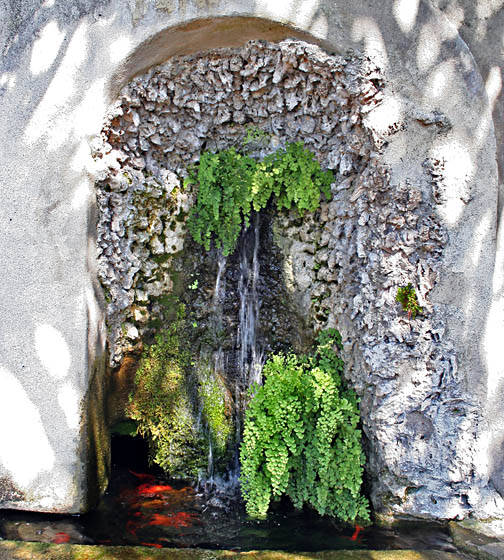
column 153, row 489
column 149, row 504
column 154, row 545
column 358, row 529
column 181, row 519
column 60, row 538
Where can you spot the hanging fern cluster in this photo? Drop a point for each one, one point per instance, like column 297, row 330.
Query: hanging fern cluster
column 301, row 437
column 232, row 184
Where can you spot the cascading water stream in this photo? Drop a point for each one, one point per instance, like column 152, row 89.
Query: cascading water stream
column 218, row 354
column 247, row 360
column 220, row 288
column 250, row 357
column 249, row 354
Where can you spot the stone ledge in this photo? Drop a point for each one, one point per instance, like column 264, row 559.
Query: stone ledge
column 14, row 550
column 477, row 540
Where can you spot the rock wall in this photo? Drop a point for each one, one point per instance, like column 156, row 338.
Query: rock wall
column 164, row 119
column 62, row 66
column 342, row 266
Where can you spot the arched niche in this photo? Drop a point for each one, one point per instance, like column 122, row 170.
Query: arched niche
column 435, row 110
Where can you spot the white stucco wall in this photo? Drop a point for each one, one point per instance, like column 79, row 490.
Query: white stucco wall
column 63, row 63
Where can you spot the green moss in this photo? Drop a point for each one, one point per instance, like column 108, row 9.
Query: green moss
column 154, row 323
column 95, row 450
column 159, row 259
column 181, row 216
column 212, row 396
column 124, row 428
column 170, row 307
column 161, row 404
column 43, row 551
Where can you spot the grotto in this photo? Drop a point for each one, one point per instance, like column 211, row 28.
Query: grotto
column 394, row 113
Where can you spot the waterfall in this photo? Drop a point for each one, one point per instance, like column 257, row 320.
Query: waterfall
column 216, row 323
column 250, row 358
column 235, row 301
column 249, row 354
column 219, row 288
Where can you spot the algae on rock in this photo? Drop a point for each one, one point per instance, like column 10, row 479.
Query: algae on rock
column 161, row 405
column 180, row 408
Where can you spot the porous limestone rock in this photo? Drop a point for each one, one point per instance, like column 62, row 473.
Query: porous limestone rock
column 342, row 265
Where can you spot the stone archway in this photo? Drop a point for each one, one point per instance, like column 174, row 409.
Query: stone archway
column 432, row 110
column 373, row 237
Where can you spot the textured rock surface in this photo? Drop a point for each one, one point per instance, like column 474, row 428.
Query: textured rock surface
column 342, row 266
column 291, row 92
column 477, row 540
column 12, row 550
column 60, row 63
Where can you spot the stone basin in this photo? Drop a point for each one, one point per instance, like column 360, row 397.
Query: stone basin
column 14, row 550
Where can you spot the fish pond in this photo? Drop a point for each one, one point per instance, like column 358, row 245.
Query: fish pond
column 141, row 507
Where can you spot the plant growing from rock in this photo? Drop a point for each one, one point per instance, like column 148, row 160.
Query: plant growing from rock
column 407, row 297
column 211, row 393
column 232, row 184
column 301, row 437
column 168, row 392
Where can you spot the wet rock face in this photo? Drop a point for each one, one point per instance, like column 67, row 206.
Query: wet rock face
column 166, row 118
column 339, row 267
column 280, row 325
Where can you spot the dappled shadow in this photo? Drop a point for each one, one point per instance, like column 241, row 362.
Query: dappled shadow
column 56, row 101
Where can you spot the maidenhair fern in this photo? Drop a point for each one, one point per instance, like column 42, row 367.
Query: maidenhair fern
column 231, row 184
column 224, row 198
column 301, row 437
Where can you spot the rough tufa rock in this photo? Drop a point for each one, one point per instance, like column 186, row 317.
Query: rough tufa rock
column 342, row 265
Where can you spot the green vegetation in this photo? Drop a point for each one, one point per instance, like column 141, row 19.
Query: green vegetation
column 124, row 428
column 162, row 406
column 232, row 184
column 407, row 297
column 172, row 390
column 44, row 551
column 211, row 394
column 255, row 136
column 301, row 437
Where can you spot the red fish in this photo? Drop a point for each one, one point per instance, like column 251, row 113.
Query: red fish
column 150, row 504
column 153, row 489
column 154, row 545
column 181, row 519
column 358, row 529
column 60, row 538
